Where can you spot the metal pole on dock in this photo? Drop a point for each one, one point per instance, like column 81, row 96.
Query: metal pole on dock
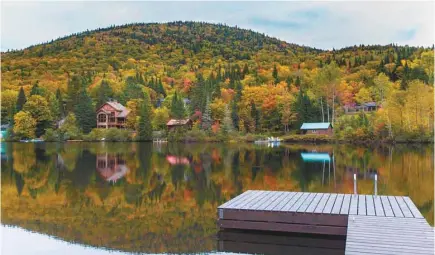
column 376, row 184
column 354, row 184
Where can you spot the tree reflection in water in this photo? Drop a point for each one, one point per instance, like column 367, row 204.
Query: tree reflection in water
column 140, row 198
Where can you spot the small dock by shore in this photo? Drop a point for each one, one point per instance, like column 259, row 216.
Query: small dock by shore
column 370, row 224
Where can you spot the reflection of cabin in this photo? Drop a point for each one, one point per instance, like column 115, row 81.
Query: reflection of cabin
column 320, row 128
column 112, row 114
column 173, row 124
column 364, row 107
column 111, row 167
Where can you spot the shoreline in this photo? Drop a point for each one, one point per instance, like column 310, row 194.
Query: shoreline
column 285, row 140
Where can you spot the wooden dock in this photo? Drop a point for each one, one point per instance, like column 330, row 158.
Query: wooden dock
column 370, row 224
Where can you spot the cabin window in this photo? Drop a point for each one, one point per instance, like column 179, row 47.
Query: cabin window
column 102, row 118
column 101, row 164
column 313, row 131
column 112, row 117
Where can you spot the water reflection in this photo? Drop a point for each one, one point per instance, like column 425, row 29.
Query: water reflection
column 141, row 197
column 111, row 166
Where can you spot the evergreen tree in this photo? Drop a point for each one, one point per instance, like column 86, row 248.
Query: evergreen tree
column 255, row 115
column 21, row 100
column 85, row 112
column 298, row 82
column 145, row 130
column 275, row 74
column 36, row 90
column 75, row 85
column 235, row 115
column 206, row 120
column 289, row 82
column 60, row 103
column 245, row 70
column 177, row 107
column 104, row 93
column 160, row 88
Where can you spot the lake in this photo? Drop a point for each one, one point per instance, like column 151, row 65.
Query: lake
column 162, row 198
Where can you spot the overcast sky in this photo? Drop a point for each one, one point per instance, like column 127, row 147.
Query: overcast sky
column 324, row 25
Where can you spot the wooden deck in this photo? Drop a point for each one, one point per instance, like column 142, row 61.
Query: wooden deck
column 357, row 217
column 255, row 242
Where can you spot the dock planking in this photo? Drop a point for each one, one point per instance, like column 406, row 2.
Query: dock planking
column 378, row 222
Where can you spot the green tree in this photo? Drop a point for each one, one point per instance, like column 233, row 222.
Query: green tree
column 25, row 124
column 160, row 118
column 8, row 100
column 206, row 120
column 104, row 93
column 85, row 112
column 39, row 108
column 36, row 90
column 145, row 130
column 54, row 107
column 59, row 99
column 75, row 85
column 275, row 74
column 69, row 129
column 21, row 100
column 177, row 107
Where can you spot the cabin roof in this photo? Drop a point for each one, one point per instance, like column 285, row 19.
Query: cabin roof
column 174, row 122
column 370, row 104
column 118, row 107
column 317, row 125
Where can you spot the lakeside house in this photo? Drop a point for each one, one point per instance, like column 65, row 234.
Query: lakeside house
column 174, row 124
column 319, row 128
column 364, row 107
column 112, row 114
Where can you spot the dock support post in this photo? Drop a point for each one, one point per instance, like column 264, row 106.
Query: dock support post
column 376, row 184
column 354, row 184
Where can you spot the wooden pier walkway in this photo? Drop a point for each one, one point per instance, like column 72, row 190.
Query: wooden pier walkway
column 371, row 224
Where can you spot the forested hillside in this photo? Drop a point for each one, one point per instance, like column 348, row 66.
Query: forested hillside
column 235, row 79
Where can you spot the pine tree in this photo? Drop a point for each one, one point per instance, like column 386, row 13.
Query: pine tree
column 85, row 112
column 75, row 85
column 275, row 74
column 104, row 93
column 60, row 103
column 145, row 130
column 160, row 88
column 36, row 90
column 177, row 107
column 255, row 115
column 289, row 82
column 21, row 100
column 298, row 82
column 206, row 121
column 235, row 115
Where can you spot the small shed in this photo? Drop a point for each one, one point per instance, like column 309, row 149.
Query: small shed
column 173, row 124
column 319, row 128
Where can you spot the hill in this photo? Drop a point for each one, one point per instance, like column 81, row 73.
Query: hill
column 230, row 66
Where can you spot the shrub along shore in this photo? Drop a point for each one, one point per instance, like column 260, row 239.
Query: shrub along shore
column 192, row 136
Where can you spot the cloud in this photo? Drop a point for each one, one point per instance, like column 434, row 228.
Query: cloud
column 323, row 25
column 276, row 23
column 407, row 34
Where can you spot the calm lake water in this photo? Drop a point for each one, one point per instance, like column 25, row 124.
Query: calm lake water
column 140, row 197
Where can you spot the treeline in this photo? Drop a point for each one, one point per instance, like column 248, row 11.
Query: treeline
column 227, row 80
